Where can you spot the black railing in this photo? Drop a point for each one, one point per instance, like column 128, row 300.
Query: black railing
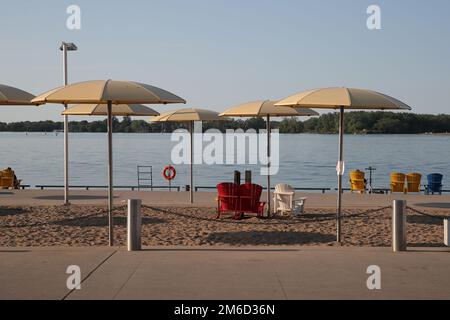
column 197, row 189
column 323, row 190
column 85, row 187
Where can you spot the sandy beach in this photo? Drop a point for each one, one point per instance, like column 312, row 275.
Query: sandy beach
column 177, row 226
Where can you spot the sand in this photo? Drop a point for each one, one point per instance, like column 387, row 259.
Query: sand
column 87, row 226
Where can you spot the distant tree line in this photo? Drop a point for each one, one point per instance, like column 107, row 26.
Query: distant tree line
column 356, row 123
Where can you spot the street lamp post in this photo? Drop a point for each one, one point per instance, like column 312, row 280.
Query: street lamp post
column 65, row 47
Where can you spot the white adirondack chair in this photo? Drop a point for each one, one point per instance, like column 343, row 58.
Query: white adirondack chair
column 285, row 201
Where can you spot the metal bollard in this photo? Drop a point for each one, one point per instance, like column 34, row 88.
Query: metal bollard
column 134, row 225
column 447, row 232
column 248, row 177
column 237, row 177
column 399, row 241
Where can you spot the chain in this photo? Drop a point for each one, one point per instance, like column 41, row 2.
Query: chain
column 187, row 216
column 298, row 220
column 425, row 214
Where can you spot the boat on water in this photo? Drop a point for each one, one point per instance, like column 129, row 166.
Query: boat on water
column 56, row 132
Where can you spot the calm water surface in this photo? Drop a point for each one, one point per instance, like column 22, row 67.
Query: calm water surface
column 305, row 160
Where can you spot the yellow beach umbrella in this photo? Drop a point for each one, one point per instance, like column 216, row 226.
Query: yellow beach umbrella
column 189, row 115
column 124, row 110
column 10, row 96
column 266, row 109
column 342, row 99
column 108, row 92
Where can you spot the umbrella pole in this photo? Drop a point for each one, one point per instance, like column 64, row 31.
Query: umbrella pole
column 66, row 133
column 110, row 176
column 66, row 158
column 268, row 165
column 191, row 127
column 341, row 159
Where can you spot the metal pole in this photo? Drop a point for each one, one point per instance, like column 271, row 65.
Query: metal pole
column 66, row 131
column 110, row 176
column 268, row 166
column 192, row 162
column 134, row 225
column 371, row 170
column 447, row 232
column 341, row 159
column 399, row 242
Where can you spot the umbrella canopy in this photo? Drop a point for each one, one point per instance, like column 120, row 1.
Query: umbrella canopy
column 117, row 110
column 348, row 98
column 342, row 99
column 189, row 115
column 267, row 108
column 104, row 91
column 10, row 96
column 109, row 92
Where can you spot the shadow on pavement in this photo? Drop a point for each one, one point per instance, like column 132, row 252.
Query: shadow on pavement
column 61, row 198
column 217, row 249
column 270, row 238
column 432, row 246
column 437, row 205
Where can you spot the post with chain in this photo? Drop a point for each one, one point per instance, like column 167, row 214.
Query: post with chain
column 399, row 242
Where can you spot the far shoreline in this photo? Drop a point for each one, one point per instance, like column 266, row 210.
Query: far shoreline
column 301, row 133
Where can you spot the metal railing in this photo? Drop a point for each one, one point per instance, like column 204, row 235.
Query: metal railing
column 86, row 187
column 323, row 190
column 178, row 188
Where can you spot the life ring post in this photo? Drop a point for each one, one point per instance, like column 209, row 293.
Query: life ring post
column 169, row 173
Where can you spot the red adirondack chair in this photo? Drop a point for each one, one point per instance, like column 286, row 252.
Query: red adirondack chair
column 249, row 199
column 228, row 199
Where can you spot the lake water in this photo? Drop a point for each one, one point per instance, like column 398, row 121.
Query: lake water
column 305, row 160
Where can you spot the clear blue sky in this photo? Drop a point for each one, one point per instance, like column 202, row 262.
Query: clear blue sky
column 219, row 53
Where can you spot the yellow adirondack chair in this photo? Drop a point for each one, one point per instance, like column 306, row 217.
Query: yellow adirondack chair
column 414, row 180
column 358, row 181
column 397, row 182
column 7, row 179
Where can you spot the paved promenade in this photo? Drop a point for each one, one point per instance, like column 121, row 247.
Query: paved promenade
column 189, row 273
column 207, row 199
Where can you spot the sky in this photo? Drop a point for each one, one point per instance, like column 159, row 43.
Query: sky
column 217, row 53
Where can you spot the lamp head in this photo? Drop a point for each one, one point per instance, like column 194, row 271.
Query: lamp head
column 69, row 46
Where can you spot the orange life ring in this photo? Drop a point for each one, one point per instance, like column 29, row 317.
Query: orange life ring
column 169, row 173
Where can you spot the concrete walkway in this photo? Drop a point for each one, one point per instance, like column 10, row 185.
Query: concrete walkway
column 224, row 273
column 207, row 199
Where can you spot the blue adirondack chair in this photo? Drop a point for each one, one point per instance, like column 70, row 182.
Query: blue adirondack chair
column 434, row 183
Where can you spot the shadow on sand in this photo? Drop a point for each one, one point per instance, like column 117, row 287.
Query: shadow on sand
column 4, row 212
column 103, row 222
column 270, row 238
column 424, row 220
